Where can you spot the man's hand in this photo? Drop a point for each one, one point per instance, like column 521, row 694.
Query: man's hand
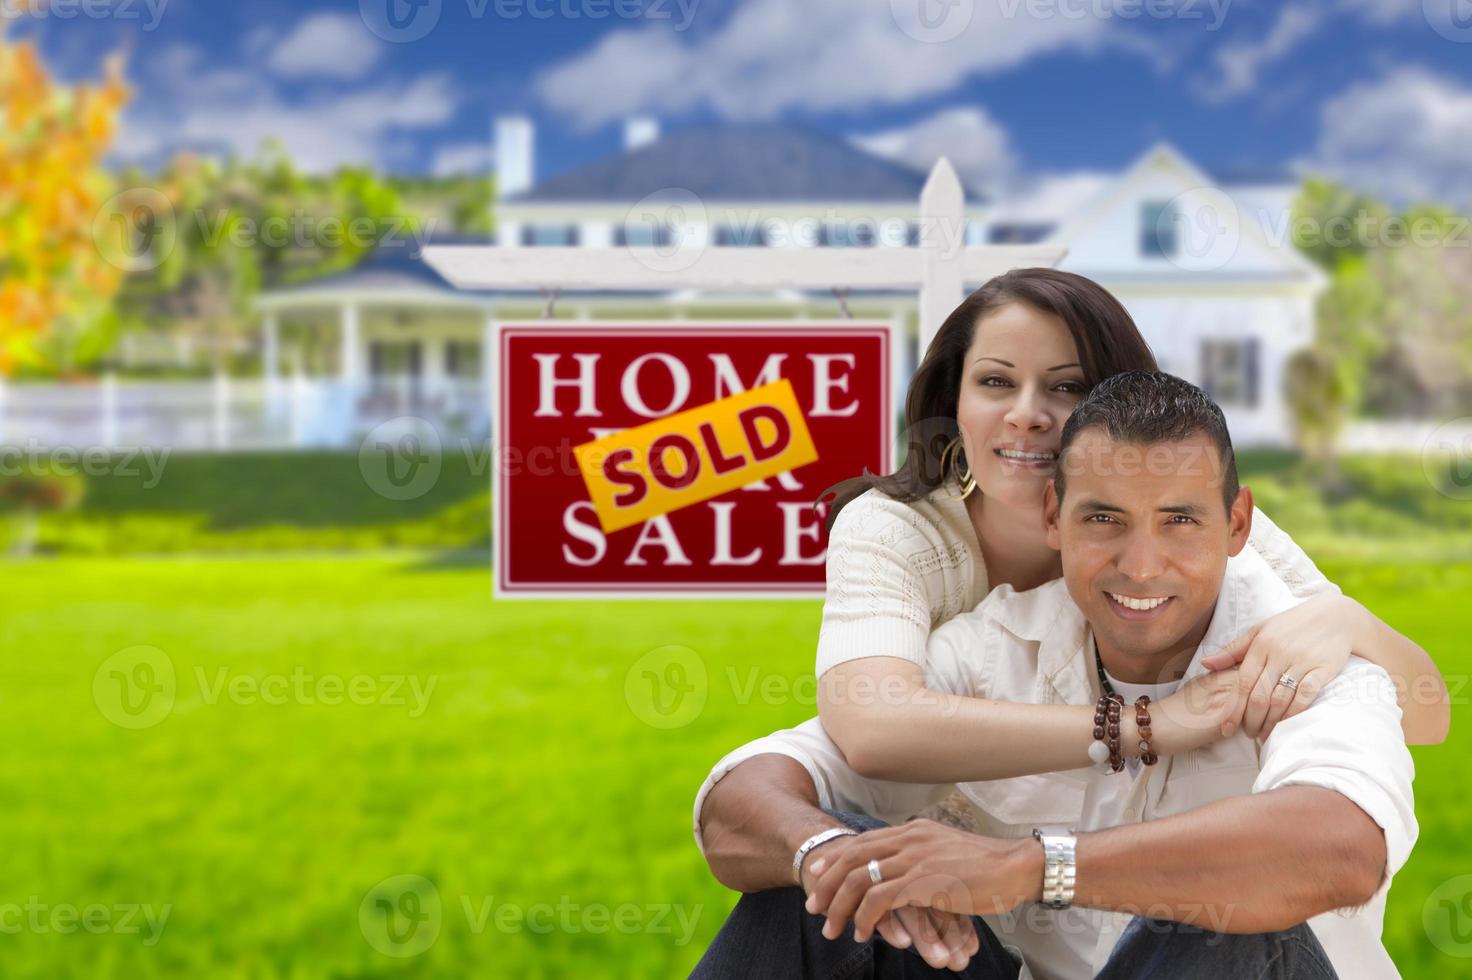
column 943, row 939
column 924, row 864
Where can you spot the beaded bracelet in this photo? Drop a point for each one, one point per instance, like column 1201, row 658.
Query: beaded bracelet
column 1142, row 722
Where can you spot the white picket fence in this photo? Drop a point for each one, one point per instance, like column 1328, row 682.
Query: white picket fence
column 231, row 414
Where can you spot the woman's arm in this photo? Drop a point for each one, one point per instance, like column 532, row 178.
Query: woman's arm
column 890, row 725
column 1311, row 642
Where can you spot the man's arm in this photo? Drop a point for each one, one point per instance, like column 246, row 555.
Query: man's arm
column 1249, row 864
column 764, row 799
column 756, row 818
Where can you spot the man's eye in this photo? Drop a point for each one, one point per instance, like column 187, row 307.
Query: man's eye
column 1180, row 519
column 1099, row 519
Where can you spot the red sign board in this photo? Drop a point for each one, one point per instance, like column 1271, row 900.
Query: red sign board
column 568, row 392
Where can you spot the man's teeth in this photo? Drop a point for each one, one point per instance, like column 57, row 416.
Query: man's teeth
column 1026, row 456
column 1129, row 602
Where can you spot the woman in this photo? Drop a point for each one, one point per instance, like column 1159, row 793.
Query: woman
column 963, row 515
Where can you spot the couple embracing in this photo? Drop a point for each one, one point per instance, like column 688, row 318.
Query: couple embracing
column 1083, row 710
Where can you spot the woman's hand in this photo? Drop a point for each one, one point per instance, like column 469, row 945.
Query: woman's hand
column 1310, row 643
column 923, row 864
column 1204, row 709
column 943, row 939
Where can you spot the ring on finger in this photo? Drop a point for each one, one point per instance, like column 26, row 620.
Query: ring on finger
column 1287, row 681
column 874, row 874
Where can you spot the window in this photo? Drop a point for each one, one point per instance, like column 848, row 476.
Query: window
column 1158, row 226
column 740, row 236
column 542, row 236
column 643, row 234
column 1229, row 371
column 859, row 233
column 462, row 359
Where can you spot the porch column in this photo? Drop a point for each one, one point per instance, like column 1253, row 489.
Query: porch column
column 349, row 360
column 271, row 355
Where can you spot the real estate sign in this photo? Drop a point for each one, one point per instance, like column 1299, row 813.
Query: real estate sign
column 679, row 458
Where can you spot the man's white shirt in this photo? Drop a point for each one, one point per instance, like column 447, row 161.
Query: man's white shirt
column 1035, row 647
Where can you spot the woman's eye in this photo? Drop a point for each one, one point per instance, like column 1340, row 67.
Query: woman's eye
column 994, row 381
column 1071, row 388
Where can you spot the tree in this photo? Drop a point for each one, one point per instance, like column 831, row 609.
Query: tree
column 56, row 283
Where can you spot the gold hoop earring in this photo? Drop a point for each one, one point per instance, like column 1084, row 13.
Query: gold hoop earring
column 947, row 461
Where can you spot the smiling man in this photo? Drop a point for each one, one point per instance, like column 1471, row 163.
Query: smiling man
column 1237, row 858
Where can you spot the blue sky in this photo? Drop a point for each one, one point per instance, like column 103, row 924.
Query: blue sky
column 1024, row 95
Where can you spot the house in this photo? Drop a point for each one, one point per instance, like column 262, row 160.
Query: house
column 1221, row 297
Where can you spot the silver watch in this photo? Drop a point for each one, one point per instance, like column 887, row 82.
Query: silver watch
column 1060, row 868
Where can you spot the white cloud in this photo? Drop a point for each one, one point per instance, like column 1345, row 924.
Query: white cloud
column 475, row 159
column 1404, row 136
column 1238, row 63
column 234, row 109
column 324, row 46
column 979, row 148
column 820, row 55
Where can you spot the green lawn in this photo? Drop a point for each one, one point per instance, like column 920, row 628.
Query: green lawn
column 550, row 816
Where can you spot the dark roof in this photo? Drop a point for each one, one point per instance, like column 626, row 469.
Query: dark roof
column 738, row 162
column 397, row 267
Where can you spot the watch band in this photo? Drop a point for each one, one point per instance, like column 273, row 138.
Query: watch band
column 1060, row 868
column 822, row 837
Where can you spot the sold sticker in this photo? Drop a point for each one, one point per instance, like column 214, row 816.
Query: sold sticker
column 689, row 457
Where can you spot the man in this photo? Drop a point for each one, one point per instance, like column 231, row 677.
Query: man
column 1230, row 860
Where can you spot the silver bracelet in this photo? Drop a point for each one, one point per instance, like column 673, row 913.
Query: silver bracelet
column 1060, row 869
column 812, row 842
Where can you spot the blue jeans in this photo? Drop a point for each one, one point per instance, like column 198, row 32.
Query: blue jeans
column 771, row 935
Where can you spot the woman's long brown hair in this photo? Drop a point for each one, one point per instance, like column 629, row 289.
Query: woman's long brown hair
column 1105, row 334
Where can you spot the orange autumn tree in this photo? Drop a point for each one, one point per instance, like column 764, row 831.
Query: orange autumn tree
column 54, row 273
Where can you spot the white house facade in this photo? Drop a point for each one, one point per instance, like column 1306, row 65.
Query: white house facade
column 1202, row 265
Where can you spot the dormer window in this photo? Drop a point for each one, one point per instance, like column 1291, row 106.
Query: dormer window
column 543, row 236
column 740, row 235
column 1158, row 227
column 644, row 234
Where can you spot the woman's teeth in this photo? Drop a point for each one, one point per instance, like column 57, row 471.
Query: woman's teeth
column 1027, row 457
column 1129, row 602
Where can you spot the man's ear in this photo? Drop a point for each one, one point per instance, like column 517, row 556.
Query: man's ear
column 1051, row 506
column 1241, row 520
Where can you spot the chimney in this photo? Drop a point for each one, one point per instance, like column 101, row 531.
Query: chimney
column 640, row 131
column 515, row 155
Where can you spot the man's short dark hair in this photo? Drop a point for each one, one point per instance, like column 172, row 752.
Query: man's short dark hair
column 1150, row 408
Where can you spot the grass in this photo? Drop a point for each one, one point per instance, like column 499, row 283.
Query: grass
column 531, row 783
